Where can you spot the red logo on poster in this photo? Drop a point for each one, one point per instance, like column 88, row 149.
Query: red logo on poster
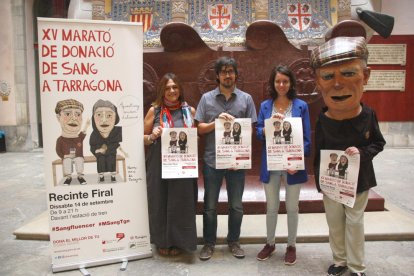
column 120, row 236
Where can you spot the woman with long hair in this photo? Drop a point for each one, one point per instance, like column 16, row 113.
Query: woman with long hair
column 171, row 202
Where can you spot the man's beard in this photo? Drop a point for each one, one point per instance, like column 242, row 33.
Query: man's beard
column 227, row 83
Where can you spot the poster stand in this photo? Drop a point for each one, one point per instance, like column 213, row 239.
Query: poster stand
column 124, row 265
column 92, row 87
column 84, row 272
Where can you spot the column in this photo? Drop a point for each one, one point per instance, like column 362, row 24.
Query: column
column 262, row 9
column 98, row 9
column 178, row 8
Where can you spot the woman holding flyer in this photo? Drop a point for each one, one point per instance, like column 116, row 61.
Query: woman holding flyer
column 283, row 103
column 171, row 202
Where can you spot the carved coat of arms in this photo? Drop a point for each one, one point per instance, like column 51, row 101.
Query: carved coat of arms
column 299, row 15
column 220, row 16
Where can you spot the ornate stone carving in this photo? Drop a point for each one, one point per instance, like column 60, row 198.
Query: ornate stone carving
column 261, row 9
column 344, row 10
column 4, row 90
column 98, row 9
column 305, row 80
column 178, row 10
column 149, row 86
column 207, row 78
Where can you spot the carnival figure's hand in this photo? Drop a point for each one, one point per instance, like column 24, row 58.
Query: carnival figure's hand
column 352, row 151
column 291, row 172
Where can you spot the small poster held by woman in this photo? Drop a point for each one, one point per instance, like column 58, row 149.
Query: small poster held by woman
column 179, row 153
column 284, row 144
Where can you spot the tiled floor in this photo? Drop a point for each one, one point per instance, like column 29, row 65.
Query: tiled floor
column 23, row 197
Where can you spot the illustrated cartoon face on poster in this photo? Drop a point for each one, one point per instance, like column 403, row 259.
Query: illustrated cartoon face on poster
column 69, row 145
column 232, row 133
column 182, row 142
column 105, row 138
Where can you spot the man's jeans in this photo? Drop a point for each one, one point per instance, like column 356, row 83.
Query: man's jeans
column 213, row 179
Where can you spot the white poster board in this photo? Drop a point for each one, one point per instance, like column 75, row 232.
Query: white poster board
column 179, row 153
column 338, row 176
column 233, row 143
column 284, row 144
column 105, row 220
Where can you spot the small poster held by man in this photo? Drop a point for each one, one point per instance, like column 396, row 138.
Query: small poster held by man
column 338, row 176
column 234, row 144
column 179, row 153
column 284, row 144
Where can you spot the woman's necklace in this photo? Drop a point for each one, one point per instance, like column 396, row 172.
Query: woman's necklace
column 281, row 108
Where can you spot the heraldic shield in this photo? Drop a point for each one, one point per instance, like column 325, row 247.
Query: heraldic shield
column 143, row 15
column 220, row 16
column 299, row 15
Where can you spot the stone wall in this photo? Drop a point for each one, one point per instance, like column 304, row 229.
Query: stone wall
column 18, row 135
column 22, row 132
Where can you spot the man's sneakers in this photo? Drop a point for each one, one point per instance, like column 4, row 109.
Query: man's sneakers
column 113, row 178
column 206, row 252
column 235, row 249
column 290, row 255
column 67, row 181
column 266, row 252
column 334, row 270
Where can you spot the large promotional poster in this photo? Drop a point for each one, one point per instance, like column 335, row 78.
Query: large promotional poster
column 92, row 115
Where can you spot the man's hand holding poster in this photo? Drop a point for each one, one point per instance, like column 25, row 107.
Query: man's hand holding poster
column 234, row 144
column 284, row 144
column 338, row 176
column 179, row 153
